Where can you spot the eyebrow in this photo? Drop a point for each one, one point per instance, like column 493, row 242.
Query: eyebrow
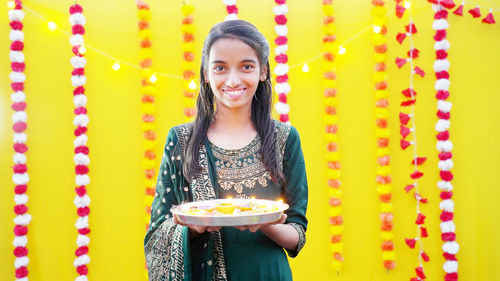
column 245, row 60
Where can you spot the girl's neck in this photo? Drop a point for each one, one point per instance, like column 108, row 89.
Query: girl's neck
column 232, row 120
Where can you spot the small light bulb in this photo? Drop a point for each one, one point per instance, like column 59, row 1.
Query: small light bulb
column 116, row 66
column 82, row 50
column 341, row 50
column 52, row 25
column 153, row 78
column 11, row 5
column 305, row 68
column 407, row 4
column 192, row 85
column 377, row 29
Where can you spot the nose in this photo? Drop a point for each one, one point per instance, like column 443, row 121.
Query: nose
column 233, row 79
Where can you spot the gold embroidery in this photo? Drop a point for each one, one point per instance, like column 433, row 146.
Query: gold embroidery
column 242, row 169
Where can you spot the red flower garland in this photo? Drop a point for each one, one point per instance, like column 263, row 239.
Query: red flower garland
column 282, row 87
column 81, row 120
column 20, row 177
column 405, row 131
column 383, row 178
column 232, row 10
column 444, row 145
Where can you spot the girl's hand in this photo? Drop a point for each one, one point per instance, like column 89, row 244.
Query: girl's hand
column 195, row 230
column 255, row 227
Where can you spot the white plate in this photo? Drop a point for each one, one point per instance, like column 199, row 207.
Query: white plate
column 235, row 219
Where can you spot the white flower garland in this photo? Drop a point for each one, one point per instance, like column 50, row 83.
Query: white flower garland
column 232, row 10
column 444, row 145
column 282, row 88
column 81, row 159
column 20, row 177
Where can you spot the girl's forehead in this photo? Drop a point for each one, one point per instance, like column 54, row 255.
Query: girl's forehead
column 231, row 48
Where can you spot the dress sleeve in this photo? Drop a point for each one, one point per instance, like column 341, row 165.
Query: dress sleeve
column 295, row 194
column 165, row 240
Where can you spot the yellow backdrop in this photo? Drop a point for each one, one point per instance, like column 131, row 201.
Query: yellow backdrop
column 115, row 138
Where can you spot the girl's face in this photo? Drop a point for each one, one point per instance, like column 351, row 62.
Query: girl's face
column 234, row 73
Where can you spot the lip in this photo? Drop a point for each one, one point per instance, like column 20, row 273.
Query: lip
column 235, row 93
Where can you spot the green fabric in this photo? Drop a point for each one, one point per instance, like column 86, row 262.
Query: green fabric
column 248, row 256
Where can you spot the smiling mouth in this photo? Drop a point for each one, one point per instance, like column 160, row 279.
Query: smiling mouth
column 233, row 94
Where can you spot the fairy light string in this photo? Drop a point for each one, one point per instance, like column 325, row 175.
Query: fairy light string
column 20, row 176
column 331, row 126
column 81, row 158
column 444, row 145
column 188, row 74
column 383, row 170
column 117, row 63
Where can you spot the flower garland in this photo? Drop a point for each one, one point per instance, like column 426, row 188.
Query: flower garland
column 405, row 131
column 81, row 120
column 148, row 92
column 282, row 87
column 232, row 10
column 383, row 179
column 475, row 13
column 20, row 177
column 188, row 57
column 444, row 145
column 331, row 125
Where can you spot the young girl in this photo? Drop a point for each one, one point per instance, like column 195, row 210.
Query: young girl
column 233, row 148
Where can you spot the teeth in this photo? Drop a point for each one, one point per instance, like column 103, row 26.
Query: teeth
column 235, row 92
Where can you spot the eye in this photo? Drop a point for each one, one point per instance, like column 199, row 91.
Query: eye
column 218, row 68
column 248, row 67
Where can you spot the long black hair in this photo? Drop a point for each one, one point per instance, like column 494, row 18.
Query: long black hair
column 261, row 103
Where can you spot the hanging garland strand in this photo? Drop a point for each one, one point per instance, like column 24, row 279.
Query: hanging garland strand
column 232, row 10
column 331, row 125
column 148, row 92
column 187, row 63
column 81, row 120
column 475, row 13
column 282, row 87
column 444, row 144
column 19, row 118
column 409, row 105
column 383, row 178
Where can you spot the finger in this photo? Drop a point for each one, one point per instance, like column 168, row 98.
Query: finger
column 198, row 228
column 242, row 227
column 213, row 228
column 177, row 221
column 254, row 228
column 283, row 218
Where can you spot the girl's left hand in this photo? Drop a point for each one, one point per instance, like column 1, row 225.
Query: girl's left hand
column 255, row 227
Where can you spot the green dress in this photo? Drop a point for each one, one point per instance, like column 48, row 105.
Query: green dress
column 228, row 254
